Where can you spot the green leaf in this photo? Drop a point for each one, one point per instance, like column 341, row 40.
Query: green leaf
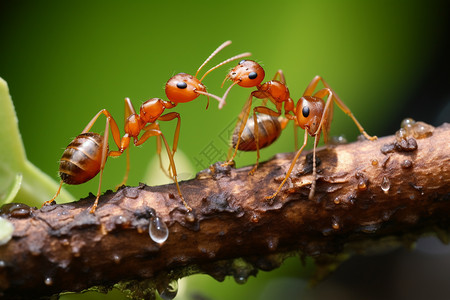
column 6, row 231
column 20, row 180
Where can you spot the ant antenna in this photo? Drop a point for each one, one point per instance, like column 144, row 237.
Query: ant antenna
column 246, row 54
column 221, row 101
column 227, row 43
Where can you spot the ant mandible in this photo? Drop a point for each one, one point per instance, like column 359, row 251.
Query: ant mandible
column 86, row 155
column 314, row 116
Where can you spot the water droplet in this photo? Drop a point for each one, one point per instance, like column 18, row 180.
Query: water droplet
column 190, row 217
column 362, row 181
column 132, row 193
column 362, row 186
column 116, row 258
column 374, row 162
column 408, row 122
column 170, row 291
column 76, row 251
column 272, row 243
column 422, row 130
column 2, row 264
column 16, row 210
column 158, row 230
column 240, row 279
column 406, row 164
column 338, row 140
column 385, row 184
column 48, row 281
column 407, row 125
column 254, row 218
column 337, row 200
column 401, row 134
column 370, row 228
column 122, row 221
column 65, row 242
column 335, row 225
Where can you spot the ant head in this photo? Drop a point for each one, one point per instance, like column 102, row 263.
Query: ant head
column 247, row 73
column 183, row 88
column 309, row 112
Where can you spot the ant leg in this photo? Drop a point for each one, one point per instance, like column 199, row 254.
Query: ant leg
column 155, row 126
column 280, row 76
column 327, row 114
column 168, row 117
column 129, row 109
column 339, row 102
column 114, row 128
column 266, row 111
column 127, row 170
column 155, row 132
column 346, row 110
column 312, row 86
column 290, row 168
column 102, row 165
column 313, row 183
column 243, row 117
column 54, row 197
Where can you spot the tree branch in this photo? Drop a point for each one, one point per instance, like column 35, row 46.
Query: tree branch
column 366, row 192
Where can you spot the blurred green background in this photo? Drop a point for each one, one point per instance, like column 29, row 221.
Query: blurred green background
column 66, row 60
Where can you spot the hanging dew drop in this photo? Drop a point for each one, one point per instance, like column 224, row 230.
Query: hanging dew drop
column 335, row 225
column 190, row 217
column 240, row 279
column 48, row 281
column 385, row 184
column 170, row 291
column 158, row 230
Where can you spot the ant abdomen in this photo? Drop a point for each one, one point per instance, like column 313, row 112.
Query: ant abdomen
column 269, row 130
column 82, row 159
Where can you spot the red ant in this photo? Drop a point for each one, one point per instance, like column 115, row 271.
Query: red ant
column 311, row 113
column 86, row 155
column 314, row 116
column 249, row 73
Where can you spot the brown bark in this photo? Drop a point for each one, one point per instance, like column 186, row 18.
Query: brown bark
column 367, row 192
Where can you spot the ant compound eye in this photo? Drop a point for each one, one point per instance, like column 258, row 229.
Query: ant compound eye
column 305, row 111
column 181, row 85
column 242, row 61
column 252, row 75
